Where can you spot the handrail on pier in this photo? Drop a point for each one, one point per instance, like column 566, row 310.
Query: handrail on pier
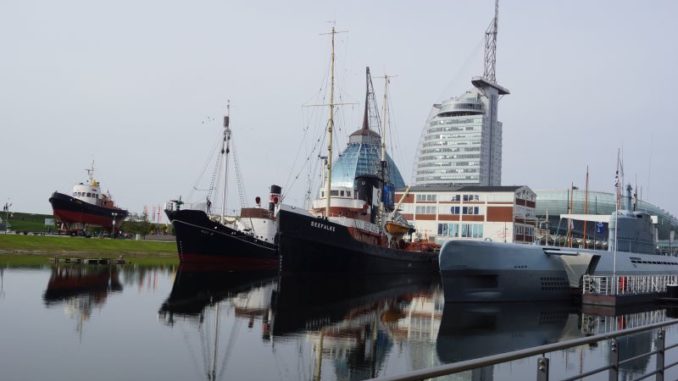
column 542, row 366
column 626, row 284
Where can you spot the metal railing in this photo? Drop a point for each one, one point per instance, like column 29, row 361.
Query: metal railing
column 542, row 366
column 626, row 284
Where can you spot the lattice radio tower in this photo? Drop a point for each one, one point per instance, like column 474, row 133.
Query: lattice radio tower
column 491, row 47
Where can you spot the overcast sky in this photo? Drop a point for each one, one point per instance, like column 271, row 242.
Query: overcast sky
column 140, row 88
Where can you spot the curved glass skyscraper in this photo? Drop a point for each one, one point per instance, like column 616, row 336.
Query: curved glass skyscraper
column 461, row 142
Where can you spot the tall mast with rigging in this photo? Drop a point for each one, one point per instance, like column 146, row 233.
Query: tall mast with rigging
column 225, row 150
column 330, row 128
column 387, row 81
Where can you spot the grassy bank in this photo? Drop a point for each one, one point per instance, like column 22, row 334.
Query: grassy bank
column 39, row 249
column 29, row 222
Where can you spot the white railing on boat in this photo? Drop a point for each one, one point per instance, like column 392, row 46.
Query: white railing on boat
column 627, row 284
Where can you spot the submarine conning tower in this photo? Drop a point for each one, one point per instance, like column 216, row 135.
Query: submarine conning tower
column 630, row 230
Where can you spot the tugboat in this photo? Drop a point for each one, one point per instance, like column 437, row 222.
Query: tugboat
column 87, row 205
column 345, row 230
column 244, row 243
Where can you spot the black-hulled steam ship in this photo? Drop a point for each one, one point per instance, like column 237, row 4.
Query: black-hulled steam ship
column 353, row 227
column 87, row 205
column 246, row 242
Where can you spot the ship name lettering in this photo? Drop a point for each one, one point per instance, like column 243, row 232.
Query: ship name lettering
column 322, row 226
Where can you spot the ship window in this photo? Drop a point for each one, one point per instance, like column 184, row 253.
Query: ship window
column 89, row 194
column 341, row 193
column 334, row 192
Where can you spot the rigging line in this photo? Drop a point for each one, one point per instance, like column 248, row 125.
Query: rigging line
column 319, row 142
column 204, row 338
column 206, row 165
column 235, row 329
column 302, row 144
column 463, row 69
column 191, row 351
column 216, row 176
column 242, row 192
column 322, row 95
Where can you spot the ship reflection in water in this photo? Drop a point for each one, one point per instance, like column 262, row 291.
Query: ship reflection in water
column 80, row 289
column 354, row 328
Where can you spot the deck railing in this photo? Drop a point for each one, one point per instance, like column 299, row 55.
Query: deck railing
column 626, row 284
column 542, row 363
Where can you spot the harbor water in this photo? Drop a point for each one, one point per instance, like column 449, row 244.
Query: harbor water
column 81, row 322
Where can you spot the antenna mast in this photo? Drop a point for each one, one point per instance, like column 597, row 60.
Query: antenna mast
column 491, row 47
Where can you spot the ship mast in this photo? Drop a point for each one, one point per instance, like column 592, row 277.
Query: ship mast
column 385, row 121
column 90, row 173
column 330, row 127
column 225, row 149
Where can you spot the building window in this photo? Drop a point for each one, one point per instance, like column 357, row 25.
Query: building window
column 472, row 231
column 425, row 209
column 456, row 197
column 455, row 210
column 470, row 210
column 426, row 197
column 448, row 230
column 471, row 197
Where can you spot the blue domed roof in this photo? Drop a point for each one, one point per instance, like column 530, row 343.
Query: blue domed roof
column 362, row 158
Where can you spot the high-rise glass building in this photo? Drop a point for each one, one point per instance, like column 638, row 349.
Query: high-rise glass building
column 461, row 142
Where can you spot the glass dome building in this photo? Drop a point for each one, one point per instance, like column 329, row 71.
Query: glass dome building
column 362, row 156
column 553, row 203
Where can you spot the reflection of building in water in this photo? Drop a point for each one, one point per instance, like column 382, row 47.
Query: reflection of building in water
column 81, row 288
column 356, row 346
column 359, row 344
column 418, row 326
column 347, row 320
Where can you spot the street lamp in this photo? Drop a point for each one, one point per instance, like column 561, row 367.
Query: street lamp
column 5, row 208
column 114, row 214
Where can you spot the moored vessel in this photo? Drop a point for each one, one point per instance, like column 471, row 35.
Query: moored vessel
column 86, row 206
column 245, row 242
column 481, row 271
column 345, row 229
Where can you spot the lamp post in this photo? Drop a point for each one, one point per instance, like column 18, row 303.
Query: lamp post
column 114, row 214
column 5, row 208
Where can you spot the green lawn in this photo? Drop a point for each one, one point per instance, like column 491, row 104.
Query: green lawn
column 28, row 221
column 29, row 248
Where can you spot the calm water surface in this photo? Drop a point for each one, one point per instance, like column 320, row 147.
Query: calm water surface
column 126, row 323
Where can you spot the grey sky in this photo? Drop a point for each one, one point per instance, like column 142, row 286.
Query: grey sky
column 130, row 83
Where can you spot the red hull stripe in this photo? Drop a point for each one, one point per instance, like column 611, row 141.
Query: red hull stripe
column 69, row 216
column 229, row 262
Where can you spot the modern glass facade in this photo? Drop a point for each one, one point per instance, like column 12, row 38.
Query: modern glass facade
column 462, row 141
column 555, row 202
column 362, row 156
